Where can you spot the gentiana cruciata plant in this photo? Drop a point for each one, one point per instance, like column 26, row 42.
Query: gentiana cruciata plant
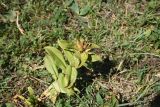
column 63, row 63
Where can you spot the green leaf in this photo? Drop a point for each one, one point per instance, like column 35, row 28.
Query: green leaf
column 71, row 73
column 69, row 91
column 73, row 77
column 84, row 11
column 84, row 57
column 53, row 95
column 72, row 59
column 59, row 87
column 57, row 56
column 56, row 85
column 99, row 99
column 69, row 57
column 75, row 7
column 31, row 91
column 62, row 82
column 32, row 97
column 65, row 44
column 65, row 81
column 68, row 71
column 50, row 66
column 96, row 57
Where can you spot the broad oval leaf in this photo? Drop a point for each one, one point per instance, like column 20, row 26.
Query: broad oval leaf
column 75, row 7
column 56, row 86
column 68, row 71
column 99, row 99
column 69, row 74
column 50, row 66
column 65, row 44
column 62, row 82
column 65, row 81
column 73, row 77
column 84, row 57
column 84, row 11
column 72, row 59
column 57, row 56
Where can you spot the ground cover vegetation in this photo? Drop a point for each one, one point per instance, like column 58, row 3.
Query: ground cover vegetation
column 79, row 53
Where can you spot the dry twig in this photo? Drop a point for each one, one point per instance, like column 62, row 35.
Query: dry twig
column 18, row 25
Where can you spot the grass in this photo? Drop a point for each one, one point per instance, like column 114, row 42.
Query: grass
column 127, row 32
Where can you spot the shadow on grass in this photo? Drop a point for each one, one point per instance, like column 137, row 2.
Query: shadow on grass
column 99, row 69
column 156, row 101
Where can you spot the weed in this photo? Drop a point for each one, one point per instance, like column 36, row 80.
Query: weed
column 65, row 72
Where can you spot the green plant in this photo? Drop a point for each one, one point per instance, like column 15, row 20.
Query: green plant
column 31, row 100
column 63, row 65
column 74, row 6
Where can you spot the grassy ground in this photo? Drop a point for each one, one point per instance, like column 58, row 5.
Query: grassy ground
column 128, row 32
